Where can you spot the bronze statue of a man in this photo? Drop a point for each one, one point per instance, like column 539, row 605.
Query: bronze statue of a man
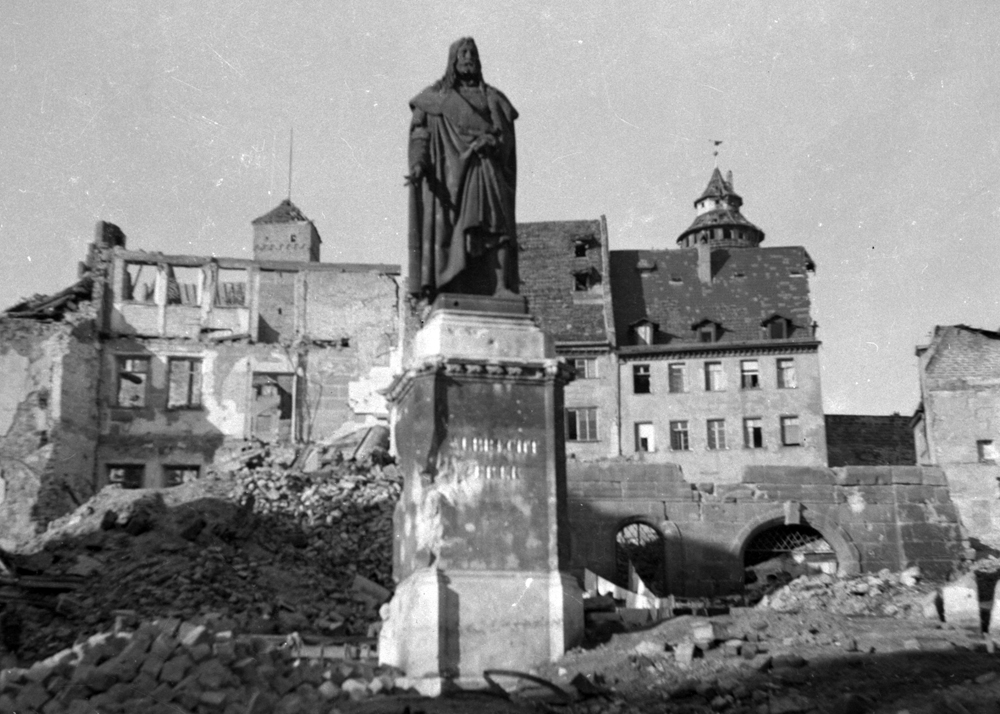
column 463, row 175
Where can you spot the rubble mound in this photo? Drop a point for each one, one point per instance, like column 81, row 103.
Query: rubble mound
column 885, row 594
column 265, row 548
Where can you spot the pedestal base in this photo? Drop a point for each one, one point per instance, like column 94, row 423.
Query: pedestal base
column 455, row 625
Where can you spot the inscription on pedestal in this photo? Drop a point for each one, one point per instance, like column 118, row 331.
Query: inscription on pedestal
column 492, row 459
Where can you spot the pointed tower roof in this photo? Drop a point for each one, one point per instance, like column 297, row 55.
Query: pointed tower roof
column 284, row 212
column 717, row 187
column 719, row 221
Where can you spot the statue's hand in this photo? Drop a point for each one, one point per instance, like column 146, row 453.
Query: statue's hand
column 484, row 144
column 417, row 172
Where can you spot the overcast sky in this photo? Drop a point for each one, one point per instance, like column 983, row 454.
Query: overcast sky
column 865, row 131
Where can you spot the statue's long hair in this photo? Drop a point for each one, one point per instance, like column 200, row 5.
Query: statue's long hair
column 450, row 78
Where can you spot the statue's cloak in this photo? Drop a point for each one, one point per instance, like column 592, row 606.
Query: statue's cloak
column 465, row 204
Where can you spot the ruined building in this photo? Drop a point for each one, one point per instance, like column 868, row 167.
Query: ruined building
column 174, row 356
column 957, row 424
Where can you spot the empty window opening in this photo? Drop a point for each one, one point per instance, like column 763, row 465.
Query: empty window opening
column 645, row 438
column 581, row 424
column 715, row 378
column 778, row 329
column 133, row 375
column 586, row 280
column 750, row 374
column 791, row 433
column 679, row 440
column 640, row 554
column 178, row 475
column 127, row 475
column 580, row 249
column 273, row 395
column 753, row 433
column 184, row 376
column 716, row 434
column 988, row 453
column 783, row 553
column 585, row 367
column 641, row 379
column 644, row 333
column 231, row 288
column 677, row 377
column 140, row 283
column 183, row 285
column 786, row 373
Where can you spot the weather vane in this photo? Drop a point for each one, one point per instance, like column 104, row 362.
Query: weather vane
column 716, row 143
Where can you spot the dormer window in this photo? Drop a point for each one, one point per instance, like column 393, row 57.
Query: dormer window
column 777, row 327
column 707, row 331
column 586, row 280
column 644, row 332
column 582, row 244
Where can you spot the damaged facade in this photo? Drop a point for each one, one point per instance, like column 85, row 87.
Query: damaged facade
column 176, row 356
column 957, row 425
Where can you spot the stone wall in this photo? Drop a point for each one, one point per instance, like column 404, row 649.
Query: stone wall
column 873, row 517
column 48, row 422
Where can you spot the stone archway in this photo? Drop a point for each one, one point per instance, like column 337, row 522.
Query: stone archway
column 641, row 545
column 848, row 557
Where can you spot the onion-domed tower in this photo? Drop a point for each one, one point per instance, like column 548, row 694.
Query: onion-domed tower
column 719, row 222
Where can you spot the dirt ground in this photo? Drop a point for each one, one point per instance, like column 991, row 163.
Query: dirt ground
column 808, row 662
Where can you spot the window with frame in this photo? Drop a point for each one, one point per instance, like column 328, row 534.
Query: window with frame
column 176, row 475
column 231, row 288
column 184, row 378
column 708, row 332
column 133, row 376
column 126, row 475
column 750, row 374
column 644, row 333
column 677, row 377
column 645, row 438
column 716, row 434
column 987, row 451
column 715, row 378
column 786, row 373
column 753, row 433
column 791, row 433
column 581, row 424
column 586, row 367
column 778, row 329
column 679, row 440
column 641, row 383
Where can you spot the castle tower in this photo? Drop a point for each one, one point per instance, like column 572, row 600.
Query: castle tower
column 719, row 222
column 284, row 233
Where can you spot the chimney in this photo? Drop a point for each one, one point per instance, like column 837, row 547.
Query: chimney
column 705, row 263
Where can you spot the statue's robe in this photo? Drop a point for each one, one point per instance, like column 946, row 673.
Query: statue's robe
column 464, row 207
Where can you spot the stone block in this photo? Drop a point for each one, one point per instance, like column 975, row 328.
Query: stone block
column 907, row 475
column 32, row 697
column 175, row 669
column 684, row 653
column 933, row 476
column 960, row 601
column 788, row 475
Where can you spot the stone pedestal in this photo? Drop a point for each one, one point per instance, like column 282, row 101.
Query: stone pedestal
column 481, row 534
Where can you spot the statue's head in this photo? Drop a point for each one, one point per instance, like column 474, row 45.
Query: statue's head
column 463, row 63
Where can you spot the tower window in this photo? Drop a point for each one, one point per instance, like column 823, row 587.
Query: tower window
column 581, row 424
column 645, row 439
column 988, row 453
column 715, row 378
column 716, row 434
column 677, row 377
column 786, row 373
column 580, row 250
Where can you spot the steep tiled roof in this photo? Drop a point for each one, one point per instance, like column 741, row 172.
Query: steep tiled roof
column 547, row 265
column 862, row 440
column 963, row 356
column 284, row 212
column 748, row 286
column 716, row 188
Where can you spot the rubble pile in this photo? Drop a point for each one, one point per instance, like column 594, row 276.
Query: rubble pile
column 885, row 594
column 169, row 665
column 267, row 549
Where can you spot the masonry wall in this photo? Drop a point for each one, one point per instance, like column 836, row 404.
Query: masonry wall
column 598, row 392
column 873, row 517
column 733, row 404
column 48, row 422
